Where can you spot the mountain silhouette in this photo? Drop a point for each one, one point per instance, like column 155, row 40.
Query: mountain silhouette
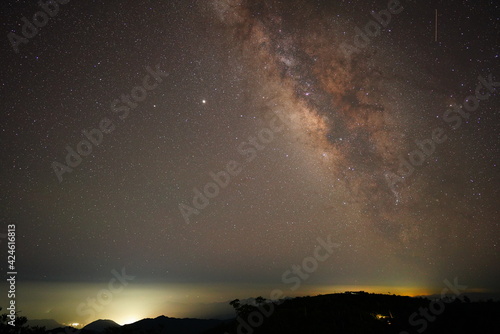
column 99, row 326
column 166, row 325
column 355, row 312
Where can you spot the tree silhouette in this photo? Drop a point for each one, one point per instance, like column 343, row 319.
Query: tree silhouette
column 19, row 328
column 235, row 304
column 260, row 300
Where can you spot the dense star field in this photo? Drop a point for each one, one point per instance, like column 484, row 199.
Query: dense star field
column 187, row 152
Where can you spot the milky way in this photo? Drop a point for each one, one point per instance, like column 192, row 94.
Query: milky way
column 343, row 108
column 374, row 151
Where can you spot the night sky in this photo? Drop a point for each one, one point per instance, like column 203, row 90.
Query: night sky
column 204, row 148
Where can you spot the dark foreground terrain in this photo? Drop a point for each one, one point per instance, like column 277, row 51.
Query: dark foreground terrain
column 351, row 312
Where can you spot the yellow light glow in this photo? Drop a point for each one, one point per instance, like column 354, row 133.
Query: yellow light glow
column 129, row 320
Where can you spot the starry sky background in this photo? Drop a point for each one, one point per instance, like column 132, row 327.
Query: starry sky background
column 234, row 67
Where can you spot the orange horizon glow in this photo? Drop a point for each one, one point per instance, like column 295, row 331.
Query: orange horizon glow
column 141, row 301
column 378, row 289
